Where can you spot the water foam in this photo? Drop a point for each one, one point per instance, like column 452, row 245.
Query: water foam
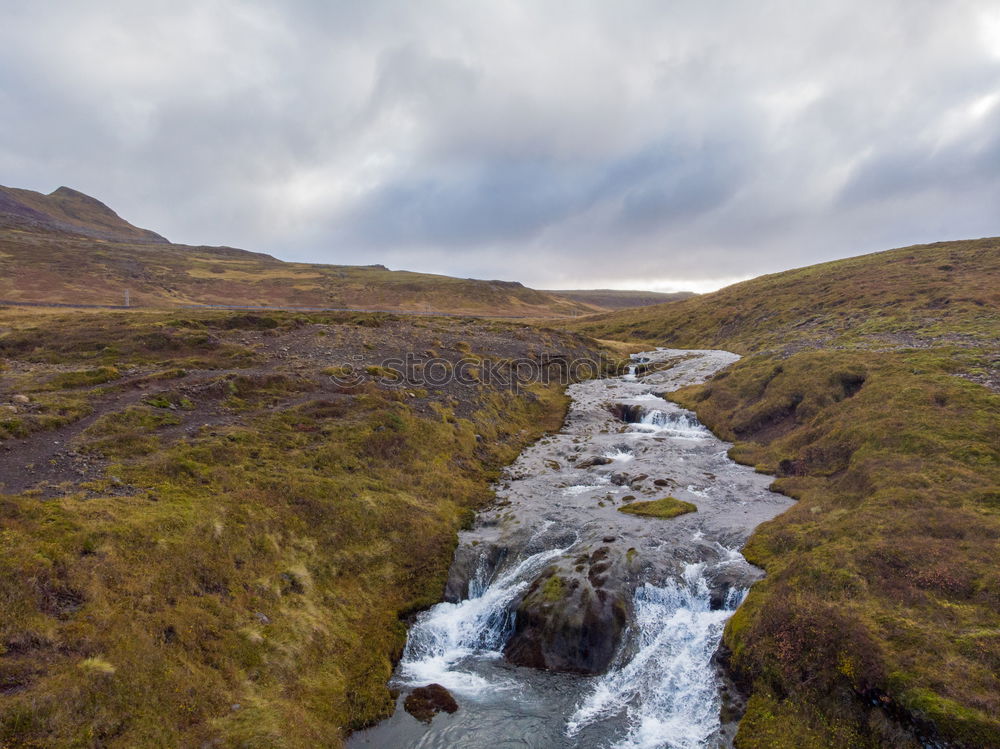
column 666, row 694
column 672, row 424
column 448, row 633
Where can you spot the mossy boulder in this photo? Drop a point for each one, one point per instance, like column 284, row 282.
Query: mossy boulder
column 572, row 620
column 668, row 507
column 423, row 703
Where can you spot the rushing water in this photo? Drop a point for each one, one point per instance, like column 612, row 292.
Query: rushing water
column 666, row 694
column 556, row 503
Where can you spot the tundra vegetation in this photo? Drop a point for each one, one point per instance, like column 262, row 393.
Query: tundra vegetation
column 869, row 388
column 205, row 538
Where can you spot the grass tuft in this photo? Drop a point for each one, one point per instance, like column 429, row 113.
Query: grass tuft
column 667, row 507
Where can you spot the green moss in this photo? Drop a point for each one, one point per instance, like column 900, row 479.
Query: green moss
column 83, row 378
column 668, row 507
column 554, row 589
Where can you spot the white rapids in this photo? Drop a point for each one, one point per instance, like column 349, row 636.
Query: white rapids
column 666, row 694
column 448, row 634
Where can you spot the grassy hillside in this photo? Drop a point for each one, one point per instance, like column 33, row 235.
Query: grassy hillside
column 612, row 299
column 870, row 390
column 69, row 248
column 210, row 532
column 944, row 292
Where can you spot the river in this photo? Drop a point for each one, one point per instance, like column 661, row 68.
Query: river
column 655, row 593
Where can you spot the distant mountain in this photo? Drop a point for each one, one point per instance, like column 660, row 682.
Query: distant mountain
column 69, row 248
column 67, row 211
column 617, row 299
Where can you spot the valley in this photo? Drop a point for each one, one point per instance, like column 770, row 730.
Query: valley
column 266, row 527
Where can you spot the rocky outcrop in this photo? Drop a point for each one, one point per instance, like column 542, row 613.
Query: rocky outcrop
column 423, row 703
column 627, row 412
column 472, row 563
column 572, row 619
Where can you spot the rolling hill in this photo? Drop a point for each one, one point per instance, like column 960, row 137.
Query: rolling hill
column 69, row 248
column 922, row 294
column 869, row 388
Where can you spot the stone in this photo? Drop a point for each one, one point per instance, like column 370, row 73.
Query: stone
column 423, row 703
column 22, row 400
column 596, row 460
column 572, row 620
column 469, row 563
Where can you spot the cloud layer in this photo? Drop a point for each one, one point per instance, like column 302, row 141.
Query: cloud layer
column 572, row 143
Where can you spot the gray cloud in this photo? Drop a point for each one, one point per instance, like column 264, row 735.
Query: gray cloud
column 556, row 142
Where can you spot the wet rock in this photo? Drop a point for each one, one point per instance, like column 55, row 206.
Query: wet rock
column 573, row 619
column 471, row 562
column 423, row 703
column 619, row 479
column 628, row 413
column 595, row 460
column 725, row 580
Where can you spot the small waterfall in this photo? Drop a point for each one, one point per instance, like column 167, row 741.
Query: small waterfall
column 666, row 694
column 674, row 424
column 630, row 374
column 448, row 633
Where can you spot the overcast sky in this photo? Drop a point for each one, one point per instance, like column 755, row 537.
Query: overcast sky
column 623, row 143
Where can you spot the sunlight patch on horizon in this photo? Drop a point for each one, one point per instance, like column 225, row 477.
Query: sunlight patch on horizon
column 663, row 285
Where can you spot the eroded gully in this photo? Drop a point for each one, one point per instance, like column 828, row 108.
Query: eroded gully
column 570, row 624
